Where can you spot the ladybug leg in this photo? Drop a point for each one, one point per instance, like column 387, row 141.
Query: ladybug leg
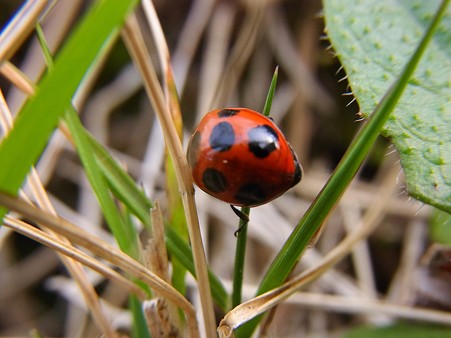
column 240, row 214
column 244, row 219
column 241, row 228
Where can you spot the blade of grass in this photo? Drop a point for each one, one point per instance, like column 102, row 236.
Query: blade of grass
column 121, row 184
column 75, row 269
column 271, row 91
column 125, row 234
column 32, row 128
column 176, row 220
column 288, row 256
column 139, row 329
column 128, row 193
column 48, row 57
column 123, row 230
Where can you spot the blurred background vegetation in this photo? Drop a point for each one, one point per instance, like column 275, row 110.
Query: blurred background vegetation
column 315, row 108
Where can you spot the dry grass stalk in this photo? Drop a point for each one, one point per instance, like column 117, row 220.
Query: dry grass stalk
column 359, row 305
column 135, row 44
column 104, row 250
column 72, row 252
column 20, row 27
column 159, row 313
column 158, row 317
column 156, row 254
column 16, row 77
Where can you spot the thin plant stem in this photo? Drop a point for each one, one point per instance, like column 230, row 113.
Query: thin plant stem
column 240, row 253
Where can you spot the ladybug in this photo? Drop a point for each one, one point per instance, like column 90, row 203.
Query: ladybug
column 241, row 157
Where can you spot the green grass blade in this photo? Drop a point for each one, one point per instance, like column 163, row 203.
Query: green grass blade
column 122, row 230
column 122, row 185
column 271, row 91
column 125, row 234
column 32, row 128
column 139, row 328
column 176, row 221
column 48, row 57
column 340, row 179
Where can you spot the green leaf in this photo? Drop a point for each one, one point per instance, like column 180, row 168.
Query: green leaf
column 37, row 120
column 400, row 331
column 440, row 228
column 373, row 39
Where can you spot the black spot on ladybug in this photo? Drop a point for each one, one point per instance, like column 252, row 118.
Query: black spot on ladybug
column 222, row 137
column 250, row 194
column 214, row 180
column 228, row 112
column 263, row 140
column 193, row 149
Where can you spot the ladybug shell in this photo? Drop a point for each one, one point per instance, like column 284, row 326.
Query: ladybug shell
column 241, row 157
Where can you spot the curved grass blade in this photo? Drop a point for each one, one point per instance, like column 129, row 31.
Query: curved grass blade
column 125, row 234
column 121, row 184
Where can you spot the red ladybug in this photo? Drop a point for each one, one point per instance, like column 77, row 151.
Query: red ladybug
column 241, row 157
